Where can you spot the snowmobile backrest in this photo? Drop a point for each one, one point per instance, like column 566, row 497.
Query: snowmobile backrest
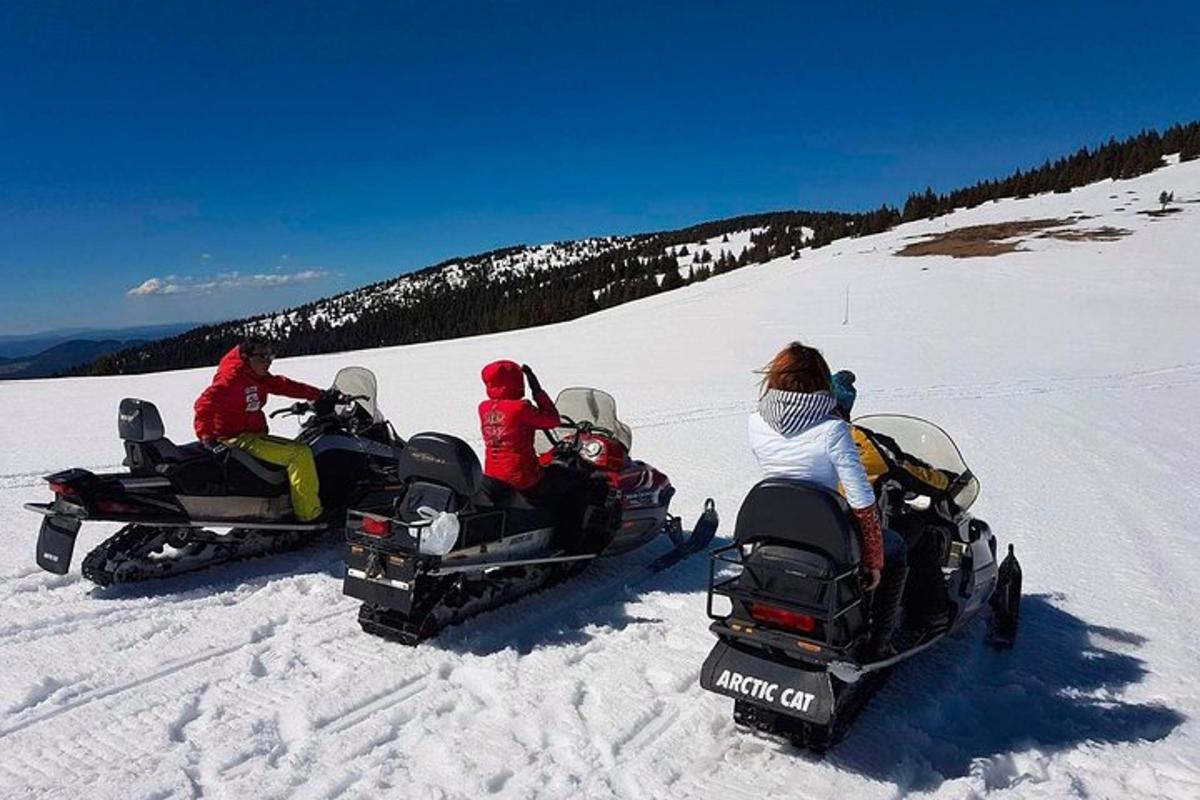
column 441, row 458
column 139, row 421
column 801, row 513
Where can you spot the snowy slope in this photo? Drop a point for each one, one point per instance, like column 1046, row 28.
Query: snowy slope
column 1068, row 372
column 500, row 266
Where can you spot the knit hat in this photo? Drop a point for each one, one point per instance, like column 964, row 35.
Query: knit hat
column 843, row 390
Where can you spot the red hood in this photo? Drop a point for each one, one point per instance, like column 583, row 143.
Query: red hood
column 504, row 380
column 231, row 364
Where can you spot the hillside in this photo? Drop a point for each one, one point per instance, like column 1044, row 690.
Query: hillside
column 1065, row 366
column 522, row 286
column 505, row 289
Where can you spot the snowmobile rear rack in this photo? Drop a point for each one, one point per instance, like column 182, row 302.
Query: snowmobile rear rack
column 824, row 616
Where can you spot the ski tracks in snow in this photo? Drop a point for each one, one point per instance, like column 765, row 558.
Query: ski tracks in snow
column 1170, row 377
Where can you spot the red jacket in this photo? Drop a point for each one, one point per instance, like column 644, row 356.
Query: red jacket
column 508, row 422
column 233, row 403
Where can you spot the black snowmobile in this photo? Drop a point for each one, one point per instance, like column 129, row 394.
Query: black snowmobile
column 790, row 613
column 173, row 494
column 451, row 543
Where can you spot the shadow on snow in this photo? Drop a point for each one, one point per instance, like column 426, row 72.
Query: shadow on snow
column 961, row 708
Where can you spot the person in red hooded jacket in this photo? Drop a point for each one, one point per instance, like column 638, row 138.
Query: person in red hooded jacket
column 230, row 412
column 508, row 422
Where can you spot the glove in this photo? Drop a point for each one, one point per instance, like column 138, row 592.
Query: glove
column 534, row 386
column 844, row 392
column 326, row 402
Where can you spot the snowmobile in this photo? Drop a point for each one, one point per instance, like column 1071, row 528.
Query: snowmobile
column 451, row 543
column 172, row 495
column 790, row 612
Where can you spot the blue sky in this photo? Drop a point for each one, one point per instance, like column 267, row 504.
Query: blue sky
column 258, row 155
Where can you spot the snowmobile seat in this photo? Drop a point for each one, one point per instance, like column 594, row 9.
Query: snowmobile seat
column 799, row 549
column 800, row 514
column 139, row 421
column 495, row 493
column 441, row 458
column 148, row 456
column 271, row 474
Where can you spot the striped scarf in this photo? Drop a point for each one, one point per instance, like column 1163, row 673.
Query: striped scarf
column 790, row 413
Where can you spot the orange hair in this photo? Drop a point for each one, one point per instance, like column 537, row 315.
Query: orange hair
column 796, row 368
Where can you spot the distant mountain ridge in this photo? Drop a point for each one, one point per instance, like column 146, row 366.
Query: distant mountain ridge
column 523, row 286
column 60, row 357
column 29, row 344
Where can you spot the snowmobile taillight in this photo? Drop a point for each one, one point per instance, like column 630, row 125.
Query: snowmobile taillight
column 374, row 526
column 783, row 618
column 65, row 489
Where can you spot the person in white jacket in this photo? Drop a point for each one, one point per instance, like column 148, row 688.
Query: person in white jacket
column 796, row 434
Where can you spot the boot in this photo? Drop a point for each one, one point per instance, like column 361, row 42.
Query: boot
column 885, row 613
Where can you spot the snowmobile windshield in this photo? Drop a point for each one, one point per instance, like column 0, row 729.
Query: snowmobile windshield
column 359, row 381
column 582, row 404
column 927, row 442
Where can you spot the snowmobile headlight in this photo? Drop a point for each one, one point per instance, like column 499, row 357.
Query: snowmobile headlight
column 592, row 450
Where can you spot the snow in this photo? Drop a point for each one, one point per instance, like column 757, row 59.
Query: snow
column 1068, row 374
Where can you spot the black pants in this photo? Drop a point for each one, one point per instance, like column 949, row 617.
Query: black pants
column 568, row 493
column 925, row 593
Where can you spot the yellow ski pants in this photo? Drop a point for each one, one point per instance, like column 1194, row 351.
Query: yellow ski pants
column 301, row 469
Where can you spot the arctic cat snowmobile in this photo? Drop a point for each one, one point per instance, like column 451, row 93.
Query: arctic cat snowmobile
column 452, row 543
column 173, row 495
column 791, row 615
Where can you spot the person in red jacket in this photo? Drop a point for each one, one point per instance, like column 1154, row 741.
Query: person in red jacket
column 508, row 422
column 230, row 412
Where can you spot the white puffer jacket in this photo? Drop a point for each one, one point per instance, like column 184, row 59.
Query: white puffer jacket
column 794, row 435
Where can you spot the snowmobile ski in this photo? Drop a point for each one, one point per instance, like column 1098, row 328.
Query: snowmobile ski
column 1005, row 604
column 702, row 535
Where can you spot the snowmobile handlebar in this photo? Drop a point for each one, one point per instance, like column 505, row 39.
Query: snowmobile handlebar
column 573, row 444
column 304, row 407
column 295, row 409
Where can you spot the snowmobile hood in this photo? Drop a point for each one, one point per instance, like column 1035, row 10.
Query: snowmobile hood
column 789, row 413
column 504, row 380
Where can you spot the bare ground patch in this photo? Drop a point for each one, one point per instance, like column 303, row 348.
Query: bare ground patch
column 1006, row 237
column 980, row 240
column 1106, row 233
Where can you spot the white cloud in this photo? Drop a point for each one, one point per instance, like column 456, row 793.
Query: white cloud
column 154, row 286
column 222, row 282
